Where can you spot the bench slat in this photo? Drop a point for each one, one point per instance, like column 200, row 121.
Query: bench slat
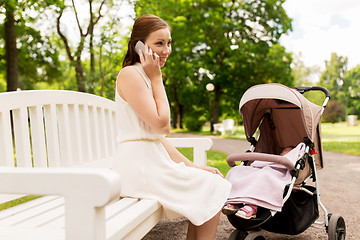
column 38, row 136
column 23, row 233
column 94, row 124
column 74, row 116
column 6, row 142
column 118, row 206
column 66, row 152
column 86, row 133
column 23, row 212
column 52, row 140
column 124, row 223
column 22, row 138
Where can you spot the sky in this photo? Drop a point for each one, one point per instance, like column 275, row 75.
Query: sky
column 321, row 27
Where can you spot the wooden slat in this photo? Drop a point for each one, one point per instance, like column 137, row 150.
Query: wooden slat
column 52, row 139
column 111, row 131
column 22, row 138
column 22, row 233
column 75, row 131
column 122, row 224
column 84, row 117
column 7, row 213
column 119, row 206
column 94, row 125
column 104, row 146
column 52, row 213
column 64, row 135
column 38, row 136
column 9, row 197
column 30, row 213
column 6, row 142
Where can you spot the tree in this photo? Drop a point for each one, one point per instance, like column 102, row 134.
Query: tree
column 232, row 44
column 333, row 76
column 351, row 87
column 11, row 53
column 29, row 56
column 75, row 58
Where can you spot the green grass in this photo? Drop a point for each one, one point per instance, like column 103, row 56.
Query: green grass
column 214, row 159
column 340, row 137
column 17, row 202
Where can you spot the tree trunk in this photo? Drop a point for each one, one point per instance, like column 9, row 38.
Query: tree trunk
column 80, row 79
column 216, row 104
column 180, row 116
column 11, row 52
column 101, row 73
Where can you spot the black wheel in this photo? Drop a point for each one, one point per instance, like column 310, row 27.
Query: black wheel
column 237, row 235
column 234, row 235
column 255, row 236
column 336, row 228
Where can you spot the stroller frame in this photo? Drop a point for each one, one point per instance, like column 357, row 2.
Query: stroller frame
column 333, row 224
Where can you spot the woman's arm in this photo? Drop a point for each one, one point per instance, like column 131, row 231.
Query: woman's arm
column 177, row 157
column 151, row 108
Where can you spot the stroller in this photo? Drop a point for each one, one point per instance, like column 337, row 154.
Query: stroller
column 276, row 116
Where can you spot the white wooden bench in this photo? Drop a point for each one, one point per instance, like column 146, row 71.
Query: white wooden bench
column 227, row 125
column 60, row 145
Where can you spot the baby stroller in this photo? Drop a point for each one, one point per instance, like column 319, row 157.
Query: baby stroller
column 276, row 116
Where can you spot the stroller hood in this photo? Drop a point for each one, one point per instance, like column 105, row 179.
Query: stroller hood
column 284, row 117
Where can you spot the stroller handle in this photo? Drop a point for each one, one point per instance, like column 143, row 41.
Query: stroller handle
column 315, row 88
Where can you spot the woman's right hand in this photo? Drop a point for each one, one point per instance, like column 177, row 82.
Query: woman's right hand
column 150, row 64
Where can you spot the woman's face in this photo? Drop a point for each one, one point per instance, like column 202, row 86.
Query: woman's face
column 160, row 42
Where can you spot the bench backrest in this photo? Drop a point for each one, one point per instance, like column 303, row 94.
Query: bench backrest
column 55, row 128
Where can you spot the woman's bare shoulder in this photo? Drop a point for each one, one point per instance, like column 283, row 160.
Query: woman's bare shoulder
column 128, row 71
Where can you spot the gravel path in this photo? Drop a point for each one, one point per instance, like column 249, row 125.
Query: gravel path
column 340, row 193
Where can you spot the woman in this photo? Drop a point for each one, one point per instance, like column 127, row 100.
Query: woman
column 149, row 165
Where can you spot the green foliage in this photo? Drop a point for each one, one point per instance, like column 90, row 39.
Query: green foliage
column 193, row 124
column 352, row 90
column 216, row 41
column 333, row 76
column 334, row 112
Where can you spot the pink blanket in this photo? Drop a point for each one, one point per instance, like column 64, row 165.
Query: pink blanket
column 262, row 183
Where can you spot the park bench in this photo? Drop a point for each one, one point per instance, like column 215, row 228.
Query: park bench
column 59, row 145
column 227, row 125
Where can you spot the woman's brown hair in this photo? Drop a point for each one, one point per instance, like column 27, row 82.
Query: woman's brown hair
column 142, row 28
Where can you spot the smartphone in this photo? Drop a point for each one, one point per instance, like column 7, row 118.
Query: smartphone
column 140, row 46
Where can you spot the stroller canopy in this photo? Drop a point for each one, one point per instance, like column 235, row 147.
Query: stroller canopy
column 284, row 117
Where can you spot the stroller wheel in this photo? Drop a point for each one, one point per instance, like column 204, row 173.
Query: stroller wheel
column 255, row 236
column 237, row 235
column 243, row 235
column 336, row 228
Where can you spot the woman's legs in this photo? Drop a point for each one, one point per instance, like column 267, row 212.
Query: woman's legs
column 206, row 231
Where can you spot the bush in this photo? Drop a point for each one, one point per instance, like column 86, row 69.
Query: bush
column 334, row 112
column 193, row 124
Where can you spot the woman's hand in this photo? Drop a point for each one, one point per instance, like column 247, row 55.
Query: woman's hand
column 150, row 64
column 210, row 169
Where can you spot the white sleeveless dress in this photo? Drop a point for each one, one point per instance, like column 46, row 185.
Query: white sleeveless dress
column 147, row 171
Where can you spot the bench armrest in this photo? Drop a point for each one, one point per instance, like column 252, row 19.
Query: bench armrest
column 200, row 146
column 95, row 186
column 85, row 191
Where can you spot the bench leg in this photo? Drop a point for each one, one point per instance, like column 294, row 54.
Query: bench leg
column 84, row 222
